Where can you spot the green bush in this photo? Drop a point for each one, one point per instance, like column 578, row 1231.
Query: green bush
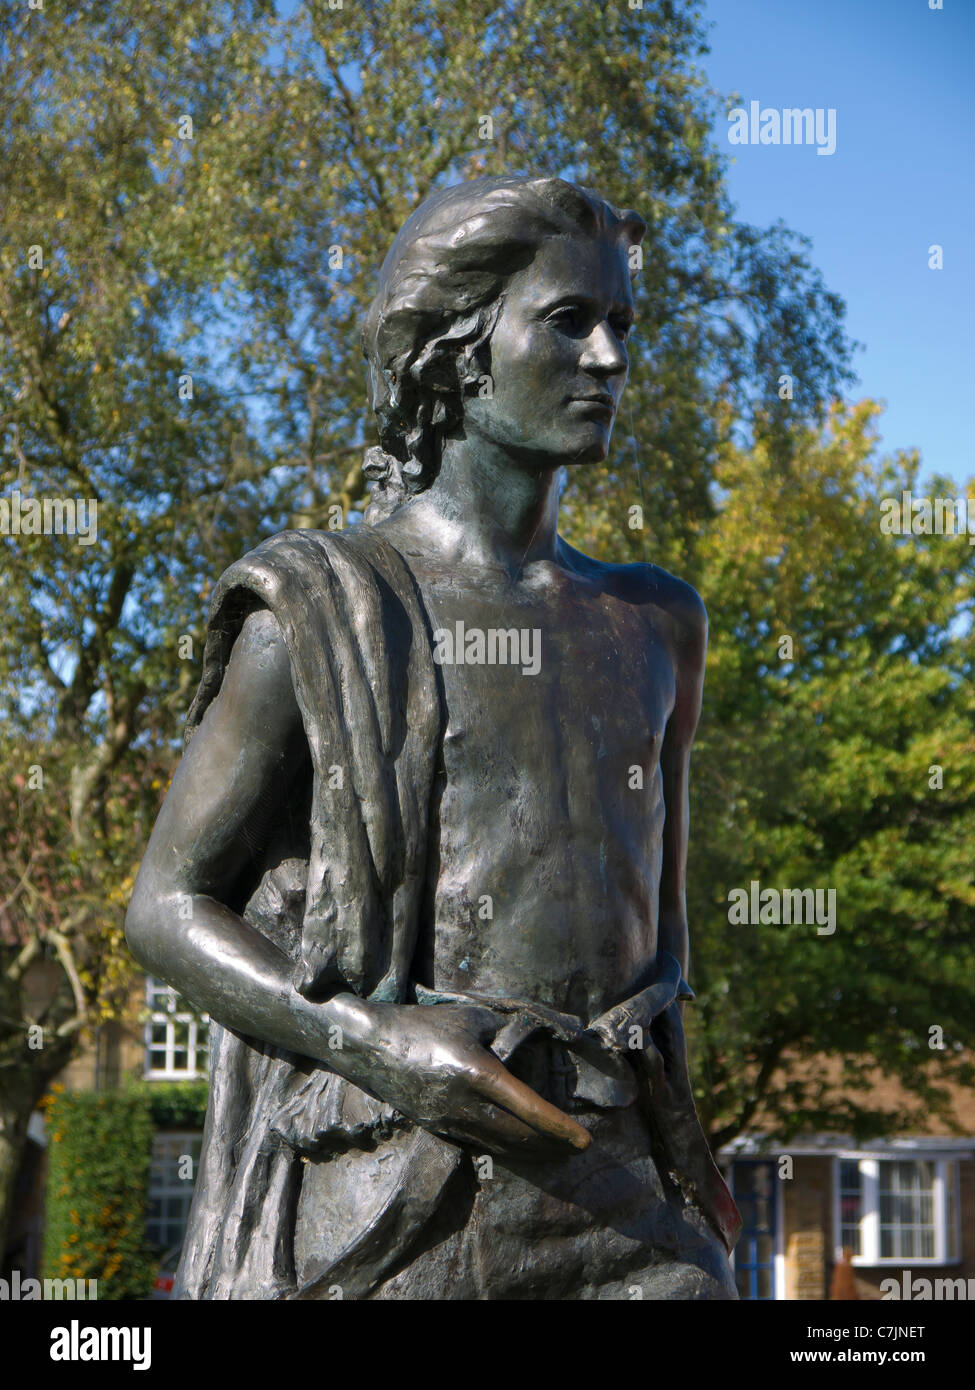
column 176, row 1104
column 98, row 1189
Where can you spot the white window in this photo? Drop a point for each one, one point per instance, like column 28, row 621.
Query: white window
column 177, row 1037
column 897, row 1210
column 171, row 1177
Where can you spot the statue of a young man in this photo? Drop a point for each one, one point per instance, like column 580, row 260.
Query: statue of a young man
column 423, row 860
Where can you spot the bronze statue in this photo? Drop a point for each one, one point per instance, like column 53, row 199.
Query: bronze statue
column 423, row 860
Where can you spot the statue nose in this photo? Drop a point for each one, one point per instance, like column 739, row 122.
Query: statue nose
column 604, row 353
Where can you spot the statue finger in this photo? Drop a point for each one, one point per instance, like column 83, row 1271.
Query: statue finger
column 497, row 1084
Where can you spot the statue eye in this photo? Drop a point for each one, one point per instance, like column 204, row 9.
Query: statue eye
column 570, row 316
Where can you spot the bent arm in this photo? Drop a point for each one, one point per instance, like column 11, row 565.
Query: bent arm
column 430, row 1063
column 221, row 806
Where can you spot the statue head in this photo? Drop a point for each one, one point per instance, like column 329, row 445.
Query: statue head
column 427, row 335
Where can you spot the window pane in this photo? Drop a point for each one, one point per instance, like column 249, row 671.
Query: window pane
column 754, row 1189
column 159, row 995
column 170, row 1195
column 908, row 1217
column 850, row 1239
column 177, row 1037
column 849, row 1175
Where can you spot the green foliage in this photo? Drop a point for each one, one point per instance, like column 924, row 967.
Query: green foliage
column 167, row 258
column 176, row 1104
column 815, row 771
column 97, row 1191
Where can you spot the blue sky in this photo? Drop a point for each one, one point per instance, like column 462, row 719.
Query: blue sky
column 902, row 80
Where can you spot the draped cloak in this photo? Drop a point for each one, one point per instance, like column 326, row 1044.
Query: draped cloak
column 344, row 904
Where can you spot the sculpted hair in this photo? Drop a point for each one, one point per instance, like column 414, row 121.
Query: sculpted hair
column 441, row 290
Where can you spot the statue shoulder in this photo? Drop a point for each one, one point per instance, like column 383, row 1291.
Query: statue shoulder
column 681, row 602
column 302, row 556
column 668, row 599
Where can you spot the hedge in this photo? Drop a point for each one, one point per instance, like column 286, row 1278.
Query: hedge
column 176, row 1104
column 98, row 1190
column 98, row 1180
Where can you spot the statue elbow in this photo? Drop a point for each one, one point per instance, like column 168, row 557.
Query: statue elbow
column 142, row 924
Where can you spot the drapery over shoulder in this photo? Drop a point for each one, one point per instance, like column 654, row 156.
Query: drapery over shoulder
column 365, row 681
column 363, row 673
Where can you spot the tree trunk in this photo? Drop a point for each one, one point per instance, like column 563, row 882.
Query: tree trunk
column 15, row 1111
column 24, row 1078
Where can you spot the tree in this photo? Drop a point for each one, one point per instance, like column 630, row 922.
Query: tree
column 836, row 752
column 196, row 201
column 101, row 626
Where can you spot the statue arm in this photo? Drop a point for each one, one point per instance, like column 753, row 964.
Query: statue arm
column 432, row 1064
column 690, row 635
column 216, row 816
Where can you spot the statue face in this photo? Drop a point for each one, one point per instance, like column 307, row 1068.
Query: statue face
column 558, row 355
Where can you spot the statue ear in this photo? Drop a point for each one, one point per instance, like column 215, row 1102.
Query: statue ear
column 377, row 465
column 388, row 488
column 469, row 371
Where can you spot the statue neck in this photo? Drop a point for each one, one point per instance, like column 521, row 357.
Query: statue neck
column 486, row 508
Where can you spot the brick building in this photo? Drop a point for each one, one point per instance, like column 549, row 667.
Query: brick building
column 902, row 1204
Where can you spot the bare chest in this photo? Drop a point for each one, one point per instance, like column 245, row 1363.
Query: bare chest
column 549, row 813
column 571, row 691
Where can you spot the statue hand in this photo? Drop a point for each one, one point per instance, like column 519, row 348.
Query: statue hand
column 434, row 1065
column 627, row 1027
column 618, row 1031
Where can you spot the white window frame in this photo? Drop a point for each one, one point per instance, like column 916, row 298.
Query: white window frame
column 169, row 1017
column 869, row 1166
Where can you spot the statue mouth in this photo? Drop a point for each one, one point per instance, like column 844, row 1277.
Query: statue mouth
column 600, row 402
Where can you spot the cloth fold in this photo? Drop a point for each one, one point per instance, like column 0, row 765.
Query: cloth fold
column 366, row 684
column 365, row 681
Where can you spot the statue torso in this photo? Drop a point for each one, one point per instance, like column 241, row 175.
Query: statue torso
column 547, row 817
